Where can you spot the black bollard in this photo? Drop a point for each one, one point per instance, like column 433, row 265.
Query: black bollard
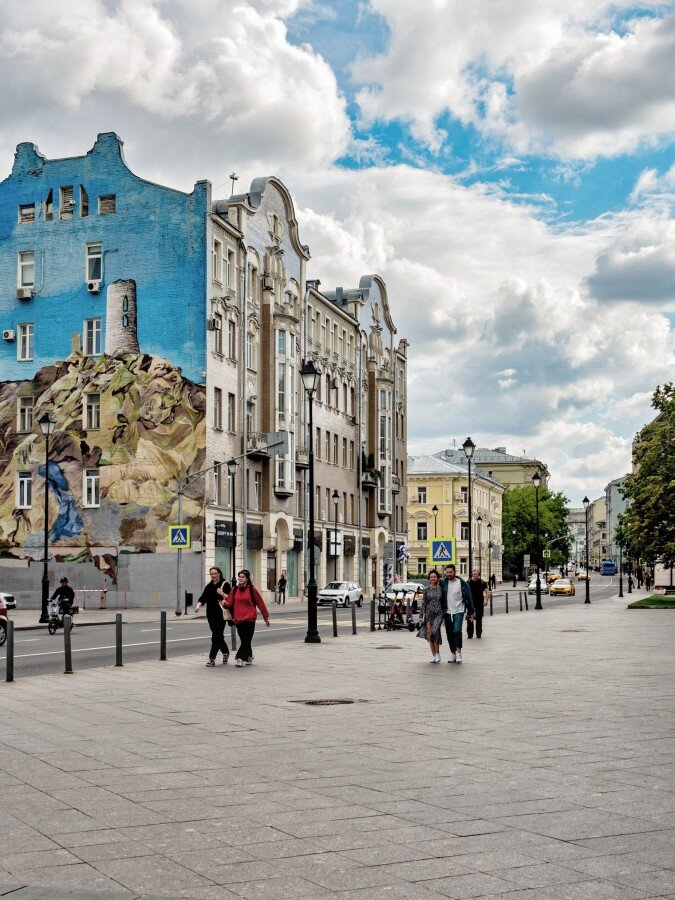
column 162, row 635
column 118, row 639
column 334, row 607
column 372, row 615
column 491, row 613
column 9, row 660
column 527, row 608
column 520, row 599
column 67, row 620
column 507, row 601
column 353, row 617
column 379, row 612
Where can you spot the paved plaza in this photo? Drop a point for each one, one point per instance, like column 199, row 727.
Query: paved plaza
column 542, row 767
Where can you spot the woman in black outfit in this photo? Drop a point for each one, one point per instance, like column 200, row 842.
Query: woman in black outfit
column 214, row 614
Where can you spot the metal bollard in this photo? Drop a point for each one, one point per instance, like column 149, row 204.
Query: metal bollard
column 491, row 613
column 334, row 609
column 527, row 608
column 118, row 639
column 162, row 635
column 353, row 617
column 66, row 645
column 372, row 615
column 9, row 659
column 507, row 601
column 233, row 635
column 520, row 599
column 379, row 612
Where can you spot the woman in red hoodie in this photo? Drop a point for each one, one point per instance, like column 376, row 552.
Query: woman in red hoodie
column 244, row 600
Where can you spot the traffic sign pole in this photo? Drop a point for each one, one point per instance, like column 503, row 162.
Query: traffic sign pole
column 179, row 558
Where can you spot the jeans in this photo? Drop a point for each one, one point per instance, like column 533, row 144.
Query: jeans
column 453, row 629
column 245, row 631
column 218, row 642
column 478, row 623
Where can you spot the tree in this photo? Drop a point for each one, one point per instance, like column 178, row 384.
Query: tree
column 650, row 488
column 519, row 512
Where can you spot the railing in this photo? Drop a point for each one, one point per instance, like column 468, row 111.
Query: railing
column 302, row 457
column 256, row 442
column 369, row 479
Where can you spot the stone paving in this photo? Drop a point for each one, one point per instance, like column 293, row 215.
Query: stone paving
column 542, row 767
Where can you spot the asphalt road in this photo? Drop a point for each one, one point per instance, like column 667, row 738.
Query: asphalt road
column 38, row 653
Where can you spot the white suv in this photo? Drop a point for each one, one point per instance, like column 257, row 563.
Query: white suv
column 343, row 592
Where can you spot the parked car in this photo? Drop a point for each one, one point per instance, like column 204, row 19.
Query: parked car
column 582, row 576
column 3, row 620
column 343, row 592
column 10, row 602
column 532, row 586
column 562, row 587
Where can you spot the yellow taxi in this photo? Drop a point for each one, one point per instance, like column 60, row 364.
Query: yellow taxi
column 562, row 587
column 551, row 577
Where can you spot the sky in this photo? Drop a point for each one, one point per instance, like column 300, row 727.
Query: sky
column 507, row 167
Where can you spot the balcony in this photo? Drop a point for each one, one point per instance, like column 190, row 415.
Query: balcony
column 256, row 445
column 302, row 457
column 395, row 484
column 370, row 478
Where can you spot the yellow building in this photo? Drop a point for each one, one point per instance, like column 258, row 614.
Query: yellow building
column 510, row 470
column 438, row 495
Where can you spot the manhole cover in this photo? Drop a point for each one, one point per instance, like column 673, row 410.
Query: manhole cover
column 389, row 647
column 572, row 630
column 334, row 701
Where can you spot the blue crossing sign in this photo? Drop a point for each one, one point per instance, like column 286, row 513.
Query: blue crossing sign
column 442, row 551
column 179, row 537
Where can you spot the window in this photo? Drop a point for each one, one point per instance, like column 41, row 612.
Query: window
column 323, row 334
column 91, row 495
column 24, row 490
column 231, row 413
column 421, row 495
column 328, row 397
column 335, row 449
column 26, row 273
column 231, row 339
column 92, row 337
column 107, row 204
column 281, row 343
column 335, row 337
column 344, row 396
column 464, row 493
column 216, row 483
column 421, row 565
column 327, row 454
column 49, row 206
column 257, row 489
column 351, row 454
column 231, row 270
column 92, row 411
column 24, row 414
column 66, row 203
column 253, row 283
column 94, row 263
column 217, row 408
column 251, row 355
column 463, row 565
column 352, row 518
column 344, row 453
column 281, row 388
column 217, row 261
column 464, row 531
column 341, row 343
column 352, row 401
column 25, row 348
column 421, row 531
column 26, row 213
column 84, row 203
column 317, row 443
column 250, row 417
column 218, row 333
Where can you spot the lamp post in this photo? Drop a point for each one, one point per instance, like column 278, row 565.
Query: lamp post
column 620, row 542
column 469, row 448
column 47, row 426
column 434, row 510
column 479, row 522
column 586, row 503
column 536, row 481
column 310, row 379
column 231, row 470
column 515, row 558
column 489, row 531
column 336, row 499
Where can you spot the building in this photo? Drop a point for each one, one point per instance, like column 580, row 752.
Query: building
column 597, row 532
column 509, row 470
column 438, row 494
column 615, row 507
column 165, row 332
column 576, row 522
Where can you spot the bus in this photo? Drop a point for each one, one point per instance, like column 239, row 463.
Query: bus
column 607, row 567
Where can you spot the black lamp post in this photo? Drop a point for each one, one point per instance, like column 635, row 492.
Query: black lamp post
column 232, row 470
column 515, row 558
column 469, row 448
column 336, row 499
column 586, row 503
column 479, row 522
column 489, row 531
column 434, row 510
column 47, row 426
column 629, row 564
column 310, row 380
column 536, row 481
column 620, row 542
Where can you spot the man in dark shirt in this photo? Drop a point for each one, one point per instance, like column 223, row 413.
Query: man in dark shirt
column 65, row 595
column 479, row 594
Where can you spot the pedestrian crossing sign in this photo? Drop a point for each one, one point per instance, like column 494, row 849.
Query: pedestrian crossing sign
column 179, row 537
column 442, row 551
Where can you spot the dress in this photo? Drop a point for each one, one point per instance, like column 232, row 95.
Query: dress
column 433, row 612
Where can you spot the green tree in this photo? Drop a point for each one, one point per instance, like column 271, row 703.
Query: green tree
column 519, row 512
column 650, row 488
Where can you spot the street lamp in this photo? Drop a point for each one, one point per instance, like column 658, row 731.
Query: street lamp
column 479, row 521
column 536, row 481
column 232, row 470
column 586, row 503
column 489, row 531
column 515, row 558
column 47, row 426
column 310, row 380
column 469, row 448
column 620, row 561
column 336, row 500
column 434, row 510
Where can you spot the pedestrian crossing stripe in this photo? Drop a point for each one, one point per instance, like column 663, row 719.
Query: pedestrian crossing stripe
column 442, row 551
column 179, row 537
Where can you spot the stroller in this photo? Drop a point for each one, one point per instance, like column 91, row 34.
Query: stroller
column 56, row 610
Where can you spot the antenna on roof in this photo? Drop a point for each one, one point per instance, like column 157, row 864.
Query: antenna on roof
column 454, row 444
column 233, row 177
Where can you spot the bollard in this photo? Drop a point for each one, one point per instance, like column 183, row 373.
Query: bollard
column 527, row 608
column 507, row 601
column 9, row 659
column 118, row 639
column 379, row 612
column 520, row 598
column 162, row 634
column 233, row 635
column 66, row 646
column 491, row 603
column 334, row 608
column 353, row 617
column 372, row 615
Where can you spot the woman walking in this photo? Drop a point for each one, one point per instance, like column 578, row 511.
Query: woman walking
column 211, row 598
column 432, row 607
column 244, row 601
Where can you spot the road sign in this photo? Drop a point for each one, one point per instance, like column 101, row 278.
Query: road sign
column 546, row 554
column 442, row 551
column 179, row 537
column 526, row 559
column 278, row 443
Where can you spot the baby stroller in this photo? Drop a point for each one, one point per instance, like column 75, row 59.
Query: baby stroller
column 56, row 610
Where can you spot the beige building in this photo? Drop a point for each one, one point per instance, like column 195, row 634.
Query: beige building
column 438, row 493
column 597, row 531
column 510, row 470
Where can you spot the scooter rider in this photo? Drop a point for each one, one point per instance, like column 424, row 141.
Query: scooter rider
column 65, row 596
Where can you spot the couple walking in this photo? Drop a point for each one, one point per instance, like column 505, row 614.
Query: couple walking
column 446, row 600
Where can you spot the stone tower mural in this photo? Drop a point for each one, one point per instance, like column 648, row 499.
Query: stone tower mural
column 121, row 321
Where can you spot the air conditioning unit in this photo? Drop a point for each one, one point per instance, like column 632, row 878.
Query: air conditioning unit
column 94, row 287
column 215, row 324
column 24, row 293
column 9, row 335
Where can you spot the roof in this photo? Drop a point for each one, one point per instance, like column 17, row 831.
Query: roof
column 432, row 465
column 485, row 455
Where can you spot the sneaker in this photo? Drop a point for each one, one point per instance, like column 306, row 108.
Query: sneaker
column 210, row 663
column 249, row 661
column 432, row 661
column 459, row 656
column 437, row 657
column 226, row 659
column 453, row 658
column 239, row 663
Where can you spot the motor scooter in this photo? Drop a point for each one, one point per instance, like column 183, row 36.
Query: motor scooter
column 56, row 610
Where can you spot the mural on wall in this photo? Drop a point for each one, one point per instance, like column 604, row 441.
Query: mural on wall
column 68, row 521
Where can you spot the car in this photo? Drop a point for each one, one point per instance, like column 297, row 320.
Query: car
column 407, row 588
column 582, row 576
column 3, row 621
column 9, row 600
column 532, row 586
column 343, row 592
column 562, row 587
column 552, row 576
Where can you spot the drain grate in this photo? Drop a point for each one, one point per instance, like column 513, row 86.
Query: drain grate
column 572, row 630
column 329, row 701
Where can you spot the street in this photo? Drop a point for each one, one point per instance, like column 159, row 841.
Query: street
column 38, row 653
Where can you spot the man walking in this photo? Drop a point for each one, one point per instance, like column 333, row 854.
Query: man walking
column 456, row 601
column 480, row 595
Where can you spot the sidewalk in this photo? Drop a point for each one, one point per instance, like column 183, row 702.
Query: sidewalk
column 540, row 768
